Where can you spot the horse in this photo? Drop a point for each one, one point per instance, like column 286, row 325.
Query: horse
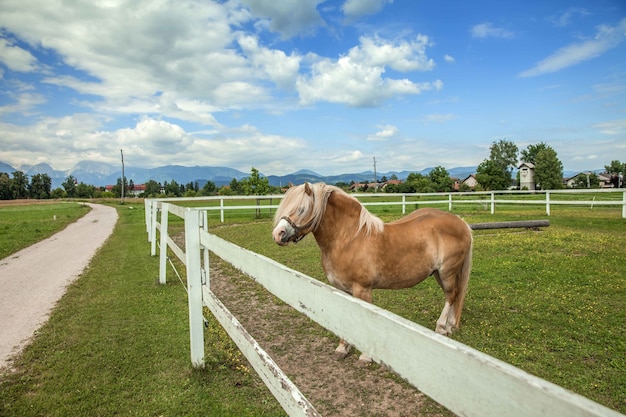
column 360, row 252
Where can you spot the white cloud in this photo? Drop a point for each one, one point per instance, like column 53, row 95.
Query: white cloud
column 274, row 64
column 607, row 37
column 614, row 127
column 449, row 59
column 356, row 79
column 16, row 58
column 126, row 54
column 386, row 132
column 24, row 103
column 565, row 18
column 488, row 30
column 354, row 9
column 402, row 56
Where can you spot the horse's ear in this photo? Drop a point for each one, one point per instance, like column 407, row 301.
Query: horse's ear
column 307, row 188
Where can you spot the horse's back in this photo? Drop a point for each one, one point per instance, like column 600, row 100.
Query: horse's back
column 430, row 215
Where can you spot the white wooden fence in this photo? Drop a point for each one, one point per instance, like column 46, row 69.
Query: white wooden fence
column 486, row 199
column 464, row 380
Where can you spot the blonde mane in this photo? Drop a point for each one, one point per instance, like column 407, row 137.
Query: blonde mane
column 316, row 206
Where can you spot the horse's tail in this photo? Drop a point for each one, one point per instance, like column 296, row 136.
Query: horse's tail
column 462, row 281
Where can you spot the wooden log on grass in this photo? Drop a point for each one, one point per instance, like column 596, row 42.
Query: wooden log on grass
column 527, row 224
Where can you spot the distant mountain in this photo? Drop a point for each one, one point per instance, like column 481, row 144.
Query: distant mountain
column 101, row 174
column 6, row 168
column 41, row 168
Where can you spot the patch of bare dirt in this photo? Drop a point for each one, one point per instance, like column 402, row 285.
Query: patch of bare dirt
column 304, row 351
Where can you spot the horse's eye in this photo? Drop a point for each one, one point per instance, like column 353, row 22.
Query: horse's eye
column 301, row 211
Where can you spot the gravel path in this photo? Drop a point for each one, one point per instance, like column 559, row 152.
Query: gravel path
column 34, row 279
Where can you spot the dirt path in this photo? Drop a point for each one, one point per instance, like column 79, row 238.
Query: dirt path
column 304, row 350
column 34, row 279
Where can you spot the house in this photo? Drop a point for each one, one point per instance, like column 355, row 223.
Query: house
column 136, row 190
column 470, row 181
column 573, row 181
column 527, row 176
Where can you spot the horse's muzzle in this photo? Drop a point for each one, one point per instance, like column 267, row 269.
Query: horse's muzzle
column 284, row 233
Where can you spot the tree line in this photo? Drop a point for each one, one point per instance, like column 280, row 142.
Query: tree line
column 494, row 173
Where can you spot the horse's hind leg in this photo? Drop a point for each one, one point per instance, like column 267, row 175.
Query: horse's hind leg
column 447, row 320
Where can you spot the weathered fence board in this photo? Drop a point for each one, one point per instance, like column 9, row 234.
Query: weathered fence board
column 287, row 394
column 510, row 225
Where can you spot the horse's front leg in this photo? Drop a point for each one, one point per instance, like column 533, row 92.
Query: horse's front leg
column 342, row 350
column 364, row 294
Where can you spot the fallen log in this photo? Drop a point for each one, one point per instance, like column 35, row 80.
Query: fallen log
column 528, row 224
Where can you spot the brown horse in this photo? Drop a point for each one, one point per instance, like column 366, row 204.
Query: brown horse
column 361, row 253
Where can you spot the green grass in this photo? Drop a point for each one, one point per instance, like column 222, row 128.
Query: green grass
column 118, row 344
column 552, row 302
column 23, row 225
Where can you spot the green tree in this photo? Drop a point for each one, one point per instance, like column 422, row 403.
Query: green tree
column 58, row 193
column 548, row 170
column 504, row 154
column 440, row 179
column 255, row 184
column 85, row 191
column 5, row 186
column 490, row 175
column 530, row 153
column 69, row 185
column 616, row 167
column 235, row 187
column 172, row 189
column 153, row 189
column 19, row 185
column 209, row 188
column 40, row 185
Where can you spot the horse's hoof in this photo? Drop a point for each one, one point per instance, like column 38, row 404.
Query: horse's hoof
column 364, row 361
column 339, row 356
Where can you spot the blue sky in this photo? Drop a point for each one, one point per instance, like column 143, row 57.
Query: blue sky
column 322, row 85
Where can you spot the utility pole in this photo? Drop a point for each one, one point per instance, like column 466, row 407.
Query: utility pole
column 375, row 176
column 122, row 153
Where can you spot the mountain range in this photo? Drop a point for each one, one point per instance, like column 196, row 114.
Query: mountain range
column 101, row 174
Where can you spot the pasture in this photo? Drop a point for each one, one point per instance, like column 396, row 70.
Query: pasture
column 118, row 344
column 23, row 223
column 550, row 302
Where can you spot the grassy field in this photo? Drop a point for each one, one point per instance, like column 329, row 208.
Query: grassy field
column 118, row 344
column 552, row 303
column 21, row 225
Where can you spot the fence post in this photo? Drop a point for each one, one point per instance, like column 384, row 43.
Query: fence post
column 493, row 202
column 194, row 286
column 450, row 202
column 147, row 212
column 205, row 251
column 624, row 206
column 163, row 249
column 403, row 204
column 547, row 203
column 153, row 228
column 222, row 210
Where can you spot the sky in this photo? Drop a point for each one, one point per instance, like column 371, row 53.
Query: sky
column 329, row 86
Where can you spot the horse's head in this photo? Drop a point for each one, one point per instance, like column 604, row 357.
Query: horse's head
column 296, row 215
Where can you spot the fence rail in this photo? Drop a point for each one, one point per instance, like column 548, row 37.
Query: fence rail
column 487, row 199
column 462, row 379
